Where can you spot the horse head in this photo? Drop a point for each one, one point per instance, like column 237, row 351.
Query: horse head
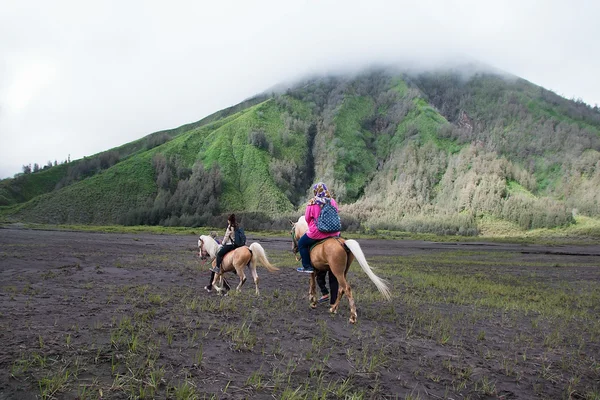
column 204, row 247
column 299, row 228
column 294, row 238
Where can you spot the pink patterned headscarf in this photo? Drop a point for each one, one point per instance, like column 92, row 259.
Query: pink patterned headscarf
column 321, row 194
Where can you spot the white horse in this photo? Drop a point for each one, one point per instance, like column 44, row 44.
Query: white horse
column 235, row 260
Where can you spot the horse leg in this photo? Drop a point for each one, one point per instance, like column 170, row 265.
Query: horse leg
column 312, row 290
column 240, row 272
column 219, row 280
column 348, row 290
column 344, row 288
column 353, row 315
column 252, row 268
column 226, row 286
column 218, row 283
column 339, row 270
column 341, row 286
column 215, row 277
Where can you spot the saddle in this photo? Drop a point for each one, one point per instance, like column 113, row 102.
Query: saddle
column 322, row 240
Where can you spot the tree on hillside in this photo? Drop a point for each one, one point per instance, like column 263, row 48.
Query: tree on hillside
column 88, row 166
column 185, row 196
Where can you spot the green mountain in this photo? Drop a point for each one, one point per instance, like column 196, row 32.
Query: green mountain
column 434, row 151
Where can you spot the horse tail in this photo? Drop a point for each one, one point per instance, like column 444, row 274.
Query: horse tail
column 259, row 257
column 360, row 257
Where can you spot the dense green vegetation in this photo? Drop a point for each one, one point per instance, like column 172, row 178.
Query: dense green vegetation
column 431, row 152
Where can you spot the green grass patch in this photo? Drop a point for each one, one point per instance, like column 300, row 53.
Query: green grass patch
column 423, row 124
column 514, row 187
column 460, row 277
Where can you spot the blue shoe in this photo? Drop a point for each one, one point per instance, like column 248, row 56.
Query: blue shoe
column 216, row 270
column 308, row 270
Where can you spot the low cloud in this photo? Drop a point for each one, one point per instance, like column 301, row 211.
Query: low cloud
column 80, row 78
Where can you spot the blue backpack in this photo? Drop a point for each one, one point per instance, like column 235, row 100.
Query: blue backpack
column 239, row 238
column 329, row 219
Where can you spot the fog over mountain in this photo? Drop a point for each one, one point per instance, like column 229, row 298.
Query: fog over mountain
column 79, row 78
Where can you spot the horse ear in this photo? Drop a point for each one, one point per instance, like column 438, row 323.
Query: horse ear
column 291, row 222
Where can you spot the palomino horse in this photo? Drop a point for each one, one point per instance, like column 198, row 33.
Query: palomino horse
column 236, row 259
column 336, row 255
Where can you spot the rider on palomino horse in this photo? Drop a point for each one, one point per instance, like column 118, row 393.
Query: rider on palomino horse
column 314, row 235
column 227, row 243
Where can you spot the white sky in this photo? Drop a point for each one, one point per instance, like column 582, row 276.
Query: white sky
column 81, row 77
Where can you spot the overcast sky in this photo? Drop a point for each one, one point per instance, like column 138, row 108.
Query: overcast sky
column 80, row 77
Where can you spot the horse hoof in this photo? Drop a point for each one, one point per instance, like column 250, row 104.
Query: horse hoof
column 313, row 306
column 352, row 320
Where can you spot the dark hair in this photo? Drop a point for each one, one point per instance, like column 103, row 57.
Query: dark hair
column 232, row 220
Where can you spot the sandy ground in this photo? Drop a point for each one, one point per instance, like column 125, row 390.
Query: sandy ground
column 65, row 298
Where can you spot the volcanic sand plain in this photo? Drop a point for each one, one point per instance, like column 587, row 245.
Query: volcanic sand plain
column 87, row 315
